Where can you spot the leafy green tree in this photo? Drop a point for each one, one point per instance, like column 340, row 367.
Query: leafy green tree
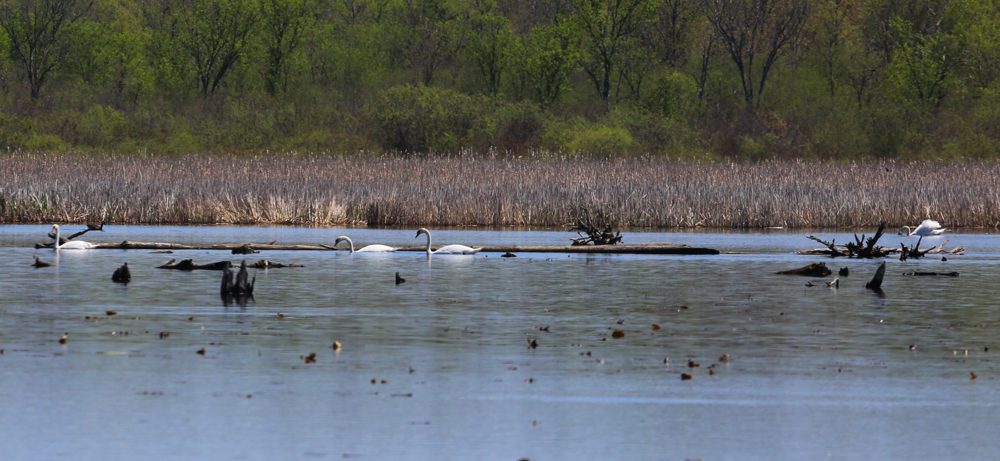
column 210, row 36
column 491, row 47
column 40, row 33
column 611, row 28
column 283, row 26
column 756, row 34
column 551, row 56
column 425, row 37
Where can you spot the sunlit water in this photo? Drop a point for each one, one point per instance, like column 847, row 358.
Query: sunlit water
column 815, row 374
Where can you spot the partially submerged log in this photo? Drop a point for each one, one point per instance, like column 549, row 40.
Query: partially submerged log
column 265, row 264
column 876, row 282
column 635, row 248
column 812, row 270
column 869, row 249
column 122, row 274
column 189, row 265
column 932, row 274
column 241, row 287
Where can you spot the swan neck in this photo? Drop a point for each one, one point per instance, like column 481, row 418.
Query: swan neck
column 55, row 246
column 428, row 243
column 351, row 243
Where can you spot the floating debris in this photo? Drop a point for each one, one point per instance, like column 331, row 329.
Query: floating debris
column 656, row 327
column 164, row 334
column 618, row 334
column 508, row 255
column 913, row 347
column 844, row 272
column 244, row 249
column 336, row 346
column 725, row 358
column 973, row 375
column 63, row 339
column 932, row 274
column 399, row 279
column 685, row 376
column 311, row 358
column 532, row 344
column 110, row 312
column 200, row 351
column 693, row 364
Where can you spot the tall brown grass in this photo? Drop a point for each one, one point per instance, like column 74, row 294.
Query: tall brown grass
column 389, row 190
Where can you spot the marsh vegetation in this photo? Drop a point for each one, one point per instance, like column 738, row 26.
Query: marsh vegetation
column 475, row 191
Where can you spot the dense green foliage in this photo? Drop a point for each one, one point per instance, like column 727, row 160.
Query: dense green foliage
column 744, row 79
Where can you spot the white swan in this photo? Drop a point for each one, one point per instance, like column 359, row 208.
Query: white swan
column 367, row 249
column 71, row 245
column 928, row 228
column 447, row 250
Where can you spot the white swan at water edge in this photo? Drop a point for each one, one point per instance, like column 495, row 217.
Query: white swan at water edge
column 928, row 228
column 368, row 249
column 72, row 244
column 447, row 250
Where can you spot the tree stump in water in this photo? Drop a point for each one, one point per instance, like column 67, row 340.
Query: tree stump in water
column 876, row 283
column 39, row 262
column 122, row 275
column 241, row 287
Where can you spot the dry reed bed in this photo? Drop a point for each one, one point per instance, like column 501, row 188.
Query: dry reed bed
column 295, row 189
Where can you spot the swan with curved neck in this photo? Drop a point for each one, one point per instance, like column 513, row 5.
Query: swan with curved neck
column 448, row 249
column 928, row 228
column 366, row 249
column 71, row 245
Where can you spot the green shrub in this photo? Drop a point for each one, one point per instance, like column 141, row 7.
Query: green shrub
column 672, row 94
column 14, row 131
column 517, row 126
column 415, row 119
column 602, row 141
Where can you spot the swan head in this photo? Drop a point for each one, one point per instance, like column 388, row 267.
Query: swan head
column 905, row 230
column 55, row 227
column 422, row 231
column 342, row 238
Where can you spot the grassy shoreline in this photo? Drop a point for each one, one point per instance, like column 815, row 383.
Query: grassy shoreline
column 465, row 191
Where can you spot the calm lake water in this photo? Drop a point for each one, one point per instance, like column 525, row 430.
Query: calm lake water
column 816, row 373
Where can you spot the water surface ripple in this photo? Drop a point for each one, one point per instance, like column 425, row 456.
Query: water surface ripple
column 440, row 367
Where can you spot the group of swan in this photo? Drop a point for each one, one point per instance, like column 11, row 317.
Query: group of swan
column 445, row 250
column 927, row 228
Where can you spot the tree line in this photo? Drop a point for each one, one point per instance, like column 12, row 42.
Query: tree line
column 745, row 79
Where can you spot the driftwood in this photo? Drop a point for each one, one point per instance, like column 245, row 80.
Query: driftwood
column 812, row 270
column 399, row 279
column 122, row 274
column 932, row 274
column 869, row 249
column 189, row 265
column 876, row 283
column 241, row 287
column 595, row 236
column 39, row 262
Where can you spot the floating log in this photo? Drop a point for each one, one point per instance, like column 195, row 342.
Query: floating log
column 265, row 264
column 635, row 248
column 122, row 274
column 189, row 265
column 812, row 270
column 876, row 283
column 932, row 274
